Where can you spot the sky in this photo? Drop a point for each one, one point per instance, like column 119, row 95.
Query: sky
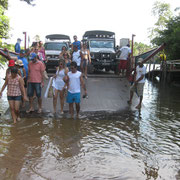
column 74, row 17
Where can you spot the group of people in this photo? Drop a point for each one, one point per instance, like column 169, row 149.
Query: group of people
column 25, row 77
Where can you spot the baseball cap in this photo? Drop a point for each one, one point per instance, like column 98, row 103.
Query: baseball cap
column 32, row 56
column 11, row 63
column 140, row 60
column 19, row 39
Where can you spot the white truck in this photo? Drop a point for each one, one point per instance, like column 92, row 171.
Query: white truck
column 53, row 46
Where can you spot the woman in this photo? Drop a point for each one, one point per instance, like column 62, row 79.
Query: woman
column 59, row 85
column 21, row 71
column 67, row 60
column 41, row 52
column 86, row 58
column 15, row 90
column 64, row 51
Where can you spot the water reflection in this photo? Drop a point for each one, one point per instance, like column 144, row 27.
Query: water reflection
column 122, row 145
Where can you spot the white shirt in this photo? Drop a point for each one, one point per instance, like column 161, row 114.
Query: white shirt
column 77, row 57
column 125, row 51
column 139, row 72
column 58, row 82
column 74, row 82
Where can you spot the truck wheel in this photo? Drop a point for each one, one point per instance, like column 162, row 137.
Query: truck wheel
column 90, row 69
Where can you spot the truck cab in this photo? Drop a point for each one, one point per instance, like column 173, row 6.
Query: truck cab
column 101, row 45
column 53, row 46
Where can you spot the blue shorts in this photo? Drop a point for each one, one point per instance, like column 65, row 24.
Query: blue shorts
column 73, row 97
column 14, row 98
column 34, row 87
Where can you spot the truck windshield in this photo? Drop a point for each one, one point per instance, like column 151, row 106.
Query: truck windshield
column 101, row 44
column 54, row 46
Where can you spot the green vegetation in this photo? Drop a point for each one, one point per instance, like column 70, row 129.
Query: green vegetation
column 4, row 27
column 166, row 30
column 140, row 48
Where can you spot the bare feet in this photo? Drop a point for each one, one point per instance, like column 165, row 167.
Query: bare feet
column 138, row 106
column 39, row 111
column 18, row 119
column 30, row 110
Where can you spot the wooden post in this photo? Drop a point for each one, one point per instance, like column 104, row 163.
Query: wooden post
column 153, row 73
column 149, row 69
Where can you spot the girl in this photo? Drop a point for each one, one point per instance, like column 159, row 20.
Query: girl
column 15, row 90
column 59, row 85
column 86, row 58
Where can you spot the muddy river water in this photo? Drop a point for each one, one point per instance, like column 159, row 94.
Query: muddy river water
column 100, row 146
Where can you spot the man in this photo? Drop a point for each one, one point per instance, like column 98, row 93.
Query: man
column 138, row 85
column 76, row 43
column 74, row 80
column 24, row 60
column 17, row 46
column 124, row 57
column 25, row 64
column 76, row 57
column 35, row 81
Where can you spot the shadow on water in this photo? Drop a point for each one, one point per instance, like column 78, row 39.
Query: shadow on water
column 119, row 145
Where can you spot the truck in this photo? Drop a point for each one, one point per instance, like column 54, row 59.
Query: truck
column 101, row 45
column 53, row 46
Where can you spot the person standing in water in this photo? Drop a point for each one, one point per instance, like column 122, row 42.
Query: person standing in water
column 74, row 79
column 59, row 85
column 15, row 92
column 138, row 85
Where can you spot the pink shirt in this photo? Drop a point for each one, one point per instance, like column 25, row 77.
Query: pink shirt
column 36, row 72
column 13, row 86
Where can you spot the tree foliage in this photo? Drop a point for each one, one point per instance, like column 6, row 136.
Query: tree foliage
column 171, row 36
column 163, row 13
column 140, row 48
column 4, row 4
column 30, row 2
column 4, row 24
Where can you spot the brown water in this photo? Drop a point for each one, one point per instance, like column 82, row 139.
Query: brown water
column 124, row 145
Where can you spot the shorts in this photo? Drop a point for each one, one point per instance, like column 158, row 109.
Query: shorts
column 14, row 98
column 85, row 62
column 138, row 88
column 123, row 64
column 34, row 87
column 68, row 65
column 73, row 97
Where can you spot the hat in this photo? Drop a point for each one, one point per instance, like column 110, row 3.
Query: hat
column 19, row 39
column 19, row 63
column 32, row 56
column 22, row 51
column 11, row 63
column 140, row 60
